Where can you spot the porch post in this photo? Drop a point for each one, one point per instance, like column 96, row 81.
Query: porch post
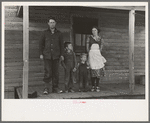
column 131, row 50
column 25, row 51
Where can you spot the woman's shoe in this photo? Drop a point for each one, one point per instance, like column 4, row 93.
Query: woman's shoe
column 93, row 88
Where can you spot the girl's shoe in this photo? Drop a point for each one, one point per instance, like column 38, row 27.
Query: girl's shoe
column 93, row 88
column 97, row 89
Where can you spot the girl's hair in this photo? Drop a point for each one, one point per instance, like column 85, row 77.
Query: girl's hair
column 66, row 44
column 96, row 28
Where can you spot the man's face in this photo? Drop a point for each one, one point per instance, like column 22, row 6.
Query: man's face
column 52, row 23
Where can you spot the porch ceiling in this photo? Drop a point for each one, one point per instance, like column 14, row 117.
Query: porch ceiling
column 138, row 8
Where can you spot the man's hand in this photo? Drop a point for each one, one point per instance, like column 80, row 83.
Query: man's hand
column 41, row 57
column 62, row 58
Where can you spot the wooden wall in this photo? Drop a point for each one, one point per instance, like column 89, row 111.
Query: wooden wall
column 114, row 30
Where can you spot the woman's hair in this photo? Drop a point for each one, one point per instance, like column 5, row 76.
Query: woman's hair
column 96, row 28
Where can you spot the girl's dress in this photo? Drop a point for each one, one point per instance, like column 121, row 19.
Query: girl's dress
column 96, row 60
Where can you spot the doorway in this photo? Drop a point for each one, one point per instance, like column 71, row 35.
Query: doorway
column 82, row 27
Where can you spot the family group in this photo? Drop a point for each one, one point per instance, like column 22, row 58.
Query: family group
column 53, row 50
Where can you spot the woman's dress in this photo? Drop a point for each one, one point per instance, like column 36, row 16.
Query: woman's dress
column 96, row 72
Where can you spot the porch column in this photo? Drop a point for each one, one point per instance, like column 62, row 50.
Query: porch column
column 131, row 50
column 25, row 51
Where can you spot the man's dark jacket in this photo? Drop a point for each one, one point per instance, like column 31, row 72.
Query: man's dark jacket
column 51, row 46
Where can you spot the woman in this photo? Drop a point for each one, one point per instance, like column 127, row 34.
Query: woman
column 96, row 60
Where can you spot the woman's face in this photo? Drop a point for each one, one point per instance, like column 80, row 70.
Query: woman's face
column 94, row 31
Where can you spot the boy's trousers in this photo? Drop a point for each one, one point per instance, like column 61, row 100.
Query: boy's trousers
column 69, row 76
column 83, row 79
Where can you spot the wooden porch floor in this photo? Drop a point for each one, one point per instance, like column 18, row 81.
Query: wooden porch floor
column 108, row 91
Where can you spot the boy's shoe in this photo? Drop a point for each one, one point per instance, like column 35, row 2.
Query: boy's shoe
column 45, row 91
column 97, row 89
column 92, row 89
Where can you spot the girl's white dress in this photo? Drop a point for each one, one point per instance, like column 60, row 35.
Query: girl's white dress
column 96, row 60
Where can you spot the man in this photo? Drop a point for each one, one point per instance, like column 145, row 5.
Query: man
column 51, row 49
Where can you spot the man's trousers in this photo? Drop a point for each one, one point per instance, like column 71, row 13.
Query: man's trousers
column 51, row 68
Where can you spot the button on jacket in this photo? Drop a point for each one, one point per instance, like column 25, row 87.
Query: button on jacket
column 51, row 45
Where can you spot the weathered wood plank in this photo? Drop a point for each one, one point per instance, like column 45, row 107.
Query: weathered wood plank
column 9, row 95
column 19, row 92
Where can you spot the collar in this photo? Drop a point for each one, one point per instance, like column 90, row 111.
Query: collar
column 54, row 30
column 98, row 39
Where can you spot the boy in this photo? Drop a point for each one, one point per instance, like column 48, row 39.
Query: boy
column 83, row 72
column 70, row 65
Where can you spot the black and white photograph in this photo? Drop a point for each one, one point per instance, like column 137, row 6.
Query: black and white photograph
column 88, row 54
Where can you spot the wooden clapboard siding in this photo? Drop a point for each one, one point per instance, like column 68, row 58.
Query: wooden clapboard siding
column 14, row 51
column 114, row 30
column 118, row 34
column 139, row 43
